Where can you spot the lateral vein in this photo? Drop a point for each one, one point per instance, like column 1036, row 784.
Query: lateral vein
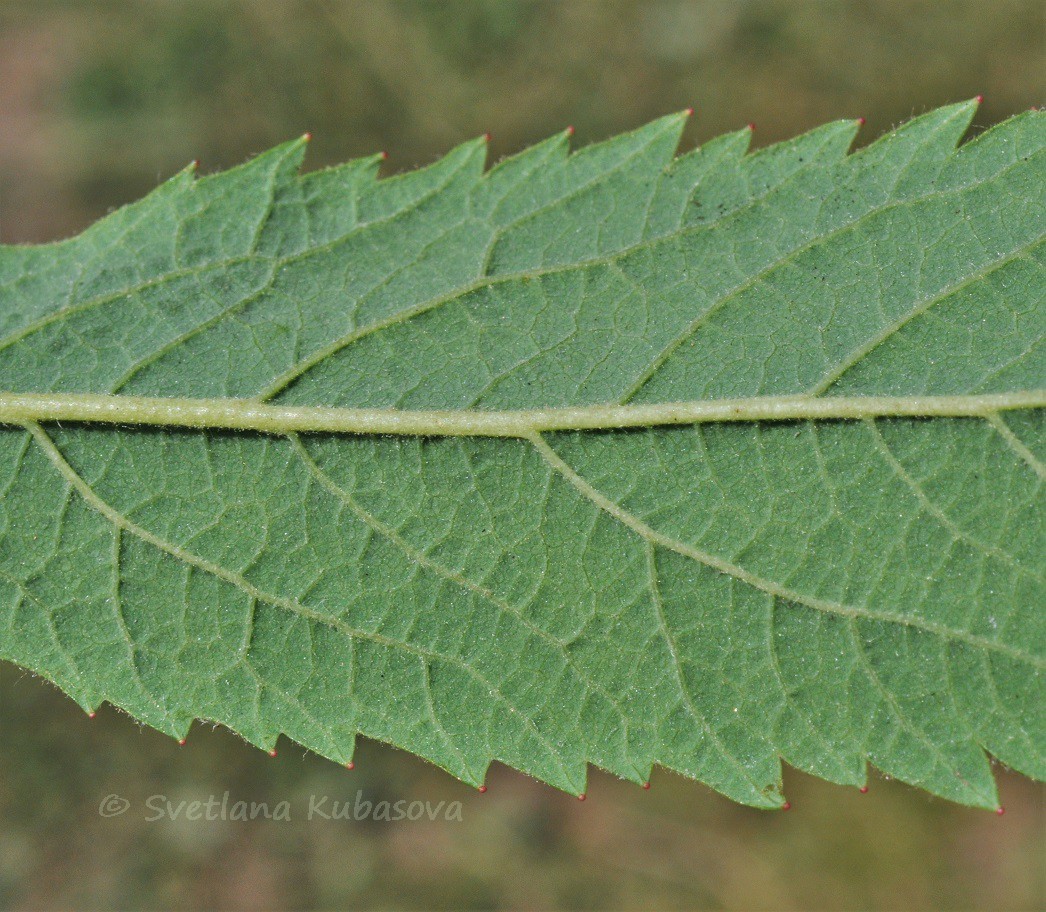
column 839, row 609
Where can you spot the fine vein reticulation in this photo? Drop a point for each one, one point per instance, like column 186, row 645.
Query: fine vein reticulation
column 612, row 457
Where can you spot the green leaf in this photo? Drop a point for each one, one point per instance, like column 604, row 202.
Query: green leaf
column 607, row 457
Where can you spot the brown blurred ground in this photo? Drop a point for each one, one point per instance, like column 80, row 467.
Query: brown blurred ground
column 99, row 101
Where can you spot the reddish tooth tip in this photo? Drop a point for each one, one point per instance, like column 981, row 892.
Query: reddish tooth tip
column 979, row 99
column 861, row 121
column 384, row 155
column 181, row 742
column 864, row 790
column 646, row 785
column 307, row 137
column 272, row 753
column 350, row 765
column 787, row 806
column 487, row 137
column 196, row 163
column 1000, row 811
column 570, row 130
column 582, row 797
column 751, row 127
column 91, row 715
column 482, row 789
column 689, row 112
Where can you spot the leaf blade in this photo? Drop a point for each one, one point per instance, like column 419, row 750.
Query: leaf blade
column 696, row 596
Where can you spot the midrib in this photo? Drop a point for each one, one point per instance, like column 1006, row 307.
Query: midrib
column 251, row 415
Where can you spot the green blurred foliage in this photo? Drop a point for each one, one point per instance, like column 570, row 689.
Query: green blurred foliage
column 100, row 100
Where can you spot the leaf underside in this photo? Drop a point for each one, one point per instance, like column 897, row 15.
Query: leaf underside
column 711, row 598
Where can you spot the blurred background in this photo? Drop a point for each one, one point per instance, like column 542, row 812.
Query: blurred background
column 101, row 100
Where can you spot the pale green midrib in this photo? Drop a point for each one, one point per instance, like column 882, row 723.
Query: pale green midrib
column 118, row 520
column 769, row 587
column 250, row 415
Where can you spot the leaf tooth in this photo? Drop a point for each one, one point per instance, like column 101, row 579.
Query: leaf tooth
column 769, row 168
column 610, row 152
column 997, row 148
column 654, row 145
column 725, row 148
column 708, row 165
column 323, row 205
column 631, row 164
column 545, row 154
column 72, row 685
column 461, row 167
column 911, row 156
column 745, row 770
column 825, row 145
column 515, row 172
column 181, row 180
column 566, row 773
column 250, row 729
column 235, row 205
column 733, row 183
column 347, row 178
column 283, row 161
